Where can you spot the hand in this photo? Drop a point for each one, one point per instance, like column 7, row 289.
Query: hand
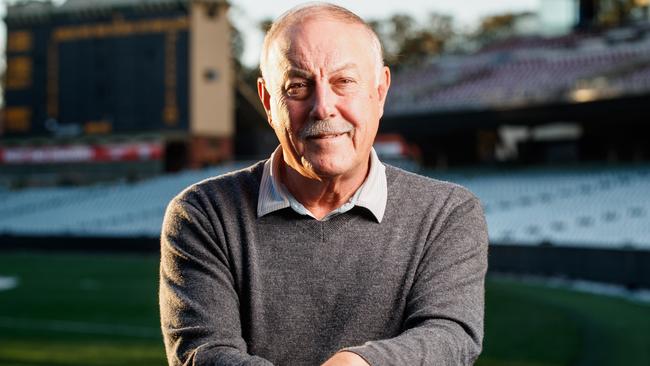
column 345, row 358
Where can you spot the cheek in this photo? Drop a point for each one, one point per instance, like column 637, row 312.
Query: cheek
column 279, row 113
column 296, row 113
column 361, row 112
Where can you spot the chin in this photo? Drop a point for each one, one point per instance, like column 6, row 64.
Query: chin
column 327, row 168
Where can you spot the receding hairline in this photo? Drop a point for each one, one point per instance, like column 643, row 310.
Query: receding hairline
column 316, row 10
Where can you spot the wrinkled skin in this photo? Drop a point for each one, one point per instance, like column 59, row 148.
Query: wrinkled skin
column 324, row 69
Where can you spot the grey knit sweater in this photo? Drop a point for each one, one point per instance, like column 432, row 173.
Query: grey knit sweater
column 285, row 289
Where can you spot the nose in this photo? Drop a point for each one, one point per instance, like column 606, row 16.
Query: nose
column 324, row 102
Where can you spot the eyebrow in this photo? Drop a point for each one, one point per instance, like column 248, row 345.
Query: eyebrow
column 294, row 71
column 298, row 72
column 349, row 65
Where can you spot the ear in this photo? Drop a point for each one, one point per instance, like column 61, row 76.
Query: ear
column 265, row 97
column 382, row 88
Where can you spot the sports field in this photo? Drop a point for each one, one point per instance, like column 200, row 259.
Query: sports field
column 92, row 309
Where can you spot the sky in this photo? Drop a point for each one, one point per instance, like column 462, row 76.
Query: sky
column 246, row 14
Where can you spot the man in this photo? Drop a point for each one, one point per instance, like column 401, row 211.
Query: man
column 321, row 254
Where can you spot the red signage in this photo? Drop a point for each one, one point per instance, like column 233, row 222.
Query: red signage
column 81, row 153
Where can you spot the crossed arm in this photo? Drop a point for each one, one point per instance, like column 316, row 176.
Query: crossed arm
column 439, row 330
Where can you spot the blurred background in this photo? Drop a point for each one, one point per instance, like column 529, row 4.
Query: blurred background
column 540, row 107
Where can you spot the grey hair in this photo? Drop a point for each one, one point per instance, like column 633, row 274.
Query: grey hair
column 304, row 12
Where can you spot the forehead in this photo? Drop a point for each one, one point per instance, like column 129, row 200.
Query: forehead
column 322, row 44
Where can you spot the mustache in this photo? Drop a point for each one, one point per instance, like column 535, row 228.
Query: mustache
column 324, row 127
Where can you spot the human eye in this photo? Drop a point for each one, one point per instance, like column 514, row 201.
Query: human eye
column 345, row 84
column 346, row 81
column 298, row 89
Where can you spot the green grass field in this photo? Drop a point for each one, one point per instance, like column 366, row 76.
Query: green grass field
column 74, row 309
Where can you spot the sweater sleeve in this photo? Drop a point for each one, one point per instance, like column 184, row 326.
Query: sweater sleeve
column 199, row 306
column 444, row 316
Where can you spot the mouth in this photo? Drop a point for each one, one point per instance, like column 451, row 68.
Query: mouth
column 326, row 136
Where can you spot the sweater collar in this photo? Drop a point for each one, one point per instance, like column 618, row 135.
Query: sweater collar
column 372, row 195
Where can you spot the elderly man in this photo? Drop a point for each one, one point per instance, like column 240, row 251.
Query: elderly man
column 322, row 255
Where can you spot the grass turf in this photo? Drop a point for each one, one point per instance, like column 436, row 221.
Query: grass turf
column 83, row 309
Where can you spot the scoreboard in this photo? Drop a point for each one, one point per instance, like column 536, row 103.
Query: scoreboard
column 117, row 71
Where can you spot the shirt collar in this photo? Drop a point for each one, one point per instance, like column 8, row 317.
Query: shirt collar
column 372, row 195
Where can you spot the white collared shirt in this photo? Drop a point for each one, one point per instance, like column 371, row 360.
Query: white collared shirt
column 274, row 196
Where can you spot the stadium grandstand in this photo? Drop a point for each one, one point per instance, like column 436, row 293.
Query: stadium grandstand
column 528, row 72
column 594, row 207
column 557, row 124
column 597, row 207
column 577, row 97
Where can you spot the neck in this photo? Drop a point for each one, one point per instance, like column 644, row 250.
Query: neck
column 322, row 196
